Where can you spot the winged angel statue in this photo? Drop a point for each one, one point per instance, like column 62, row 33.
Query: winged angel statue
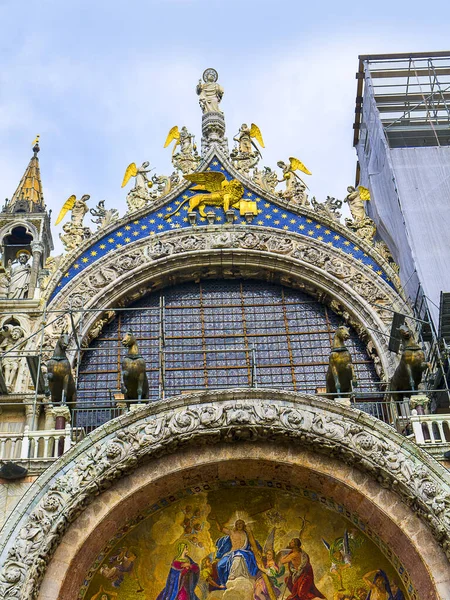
column 246, row 154
column 74, row 231
column 187, row 159
column 295, row 186
column 139, row 195
column 216, row 191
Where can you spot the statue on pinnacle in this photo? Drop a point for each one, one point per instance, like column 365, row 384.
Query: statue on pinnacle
column 210, row 94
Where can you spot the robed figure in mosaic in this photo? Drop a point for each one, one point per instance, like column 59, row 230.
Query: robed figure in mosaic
column 235, row 554
column 183, row 577
column 301, row 576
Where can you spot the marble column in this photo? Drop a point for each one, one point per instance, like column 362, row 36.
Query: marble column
column 37, row 249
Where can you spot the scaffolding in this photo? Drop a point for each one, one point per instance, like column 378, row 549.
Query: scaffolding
column 412, row 95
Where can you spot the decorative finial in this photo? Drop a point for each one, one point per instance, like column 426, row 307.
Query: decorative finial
column 36, row 145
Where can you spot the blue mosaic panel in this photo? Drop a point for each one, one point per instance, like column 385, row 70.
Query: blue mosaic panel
column 269, row 215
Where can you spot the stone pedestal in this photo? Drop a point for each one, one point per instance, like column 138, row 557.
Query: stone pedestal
column 213, row 132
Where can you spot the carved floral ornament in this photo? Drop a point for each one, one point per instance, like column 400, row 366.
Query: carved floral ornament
column 112, row 451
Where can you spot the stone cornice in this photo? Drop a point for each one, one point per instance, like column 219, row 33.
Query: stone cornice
column 57, row 498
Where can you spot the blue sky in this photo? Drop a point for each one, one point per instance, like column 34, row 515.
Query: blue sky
column 103, row 82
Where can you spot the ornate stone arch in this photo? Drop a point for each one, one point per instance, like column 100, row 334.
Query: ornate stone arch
column 29, row 228
column 360, row 452
column 347, row 285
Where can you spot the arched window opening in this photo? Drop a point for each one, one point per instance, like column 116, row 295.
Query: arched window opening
column 221, row 334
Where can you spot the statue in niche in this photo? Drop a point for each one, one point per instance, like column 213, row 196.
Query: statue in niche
column 209, row 93
column 4, row 282
column 11, row 336
column 19, row 272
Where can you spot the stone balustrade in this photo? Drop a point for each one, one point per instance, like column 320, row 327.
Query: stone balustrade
column 38, row 446
column 432, row 431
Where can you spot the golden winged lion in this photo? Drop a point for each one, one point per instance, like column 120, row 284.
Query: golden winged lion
column 216, row 191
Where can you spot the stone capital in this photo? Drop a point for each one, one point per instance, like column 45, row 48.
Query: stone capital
column 419, row 400
column 62, row 411
column 37, row 247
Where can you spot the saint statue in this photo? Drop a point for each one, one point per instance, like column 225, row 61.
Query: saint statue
column 210, row 92
column 79, row 209
column 10, row 337
column 19, row 273
column 355, row 203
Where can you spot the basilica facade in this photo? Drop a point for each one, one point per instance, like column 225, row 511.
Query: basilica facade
column 201, row 399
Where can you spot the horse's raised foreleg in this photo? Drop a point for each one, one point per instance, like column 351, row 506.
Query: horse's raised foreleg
column 140, row 386
column 412, row 385
column 354, row 379
column 65, row 387
column 124, row 386
column 335, row 374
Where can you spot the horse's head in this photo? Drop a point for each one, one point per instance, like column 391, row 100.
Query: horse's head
column 405, row 332
column 63, row 341
column 343, row 332
column 129, row 340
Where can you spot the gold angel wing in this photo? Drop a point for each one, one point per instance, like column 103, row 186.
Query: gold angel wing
column 174, row 134
column 68, row 205
column 130, row 172
column 298, row 165
column 364, row 193
column 211, row 181
column 255, row 132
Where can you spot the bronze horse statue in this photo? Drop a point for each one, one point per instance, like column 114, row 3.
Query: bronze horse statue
column 408, row 374
column 60, row 384
column 134, row 377
column 341, row 378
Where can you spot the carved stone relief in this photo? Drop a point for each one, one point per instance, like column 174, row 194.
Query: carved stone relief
column 237, row 415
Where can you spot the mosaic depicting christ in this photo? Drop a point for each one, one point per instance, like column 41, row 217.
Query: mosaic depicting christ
column 236, row 553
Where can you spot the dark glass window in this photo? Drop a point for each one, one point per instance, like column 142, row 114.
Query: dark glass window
column 218, row 334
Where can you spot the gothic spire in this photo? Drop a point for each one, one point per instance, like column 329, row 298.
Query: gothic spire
column 28, row 196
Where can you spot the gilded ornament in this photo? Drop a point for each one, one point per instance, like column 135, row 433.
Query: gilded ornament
column 295, row 186
column 246, row 154
column 74, row 230
column 187, row 159
column 217, row 191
